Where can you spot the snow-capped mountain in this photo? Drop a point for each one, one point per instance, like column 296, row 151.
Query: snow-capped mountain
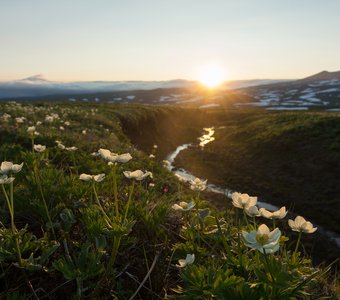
column 319, row 90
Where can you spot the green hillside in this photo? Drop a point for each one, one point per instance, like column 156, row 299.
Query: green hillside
column 66, row 234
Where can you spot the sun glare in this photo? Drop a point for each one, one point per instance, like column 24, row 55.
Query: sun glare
column 211, row 76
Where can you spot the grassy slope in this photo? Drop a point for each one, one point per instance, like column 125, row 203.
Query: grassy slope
column 155, row 231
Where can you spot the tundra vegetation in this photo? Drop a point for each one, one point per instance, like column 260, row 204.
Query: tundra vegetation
column 85, row 215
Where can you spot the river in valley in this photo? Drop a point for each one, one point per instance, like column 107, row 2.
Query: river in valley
column 185, row 175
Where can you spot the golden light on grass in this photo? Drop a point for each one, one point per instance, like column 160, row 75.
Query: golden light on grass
column 212, row 76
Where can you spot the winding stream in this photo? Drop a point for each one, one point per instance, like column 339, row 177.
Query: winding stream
column 184, row 175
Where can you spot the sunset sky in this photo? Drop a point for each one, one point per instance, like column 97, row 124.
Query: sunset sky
column 160, row 40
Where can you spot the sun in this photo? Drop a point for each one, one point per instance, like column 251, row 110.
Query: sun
column 211, row 76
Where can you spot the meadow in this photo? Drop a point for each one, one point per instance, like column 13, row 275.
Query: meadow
column 87, row 215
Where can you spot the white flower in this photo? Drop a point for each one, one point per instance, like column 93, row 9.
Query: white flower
column 166, row 164
column 252, row 211
column 107, row 154
column 301, row 225
column 243, row 200
column 184, row 206
column 278, row 214
column 263, row 239
column 31, row 129
column 73, row 148
column 39, row 148
column 49, row 119
column 123, row 158
column 38, row 123
column 189, row 260
column 138, row 174
column 180, row 178
column 5, row 117
column 8, row 167
column 155, row 146
column 61, row 128
column 96, row 178
column 4, row 179
column 84, row 131
column 67, row 123
column 152, row 156
column 61, row 146
column 20, row 120
column 198, row 185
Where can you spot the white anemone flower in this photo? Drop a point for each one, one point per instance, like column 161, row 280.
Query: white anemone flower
column 20, row 120
column 38, row 123
column 123, row 158
column 198, row 184
column 8, row 167
column 263, row 239
column 184, row 206
column 243, row 200
column 73, row 148
column 39, row 148
column 4, row 179
column 152, row 156
column 189, row 260
column 61, row 146
column 138, row 174
column 301, row 225
column 252, row 211
column 31, row 129
column 88, row 177
column 278, row 214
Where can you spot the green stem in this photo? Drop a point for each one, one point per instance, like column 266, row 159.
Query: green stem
column 45, row 204
column 129, row 200
column 115, row 193
column 297, row 243
column 7, row 200
column 268, row 266
column 13, row 227
column 32, row 141
column 79, row 287
column 254, row 220
column 37, row 179
column 106, row 217
column 273, row 224
column 245, row 218
column 115, row 247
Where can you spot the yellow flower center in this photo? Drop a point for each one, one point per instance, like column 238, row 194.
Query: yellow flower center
column 262, row 238
column 184, row 205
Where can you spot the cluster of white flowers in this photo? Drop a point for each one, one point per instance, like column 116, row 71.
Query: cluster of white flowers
column 39, row 148
column 198, row 185
column 184, row 206
column 7, row 168
column 51, row 118
column 137, row 174
column 31, row 130
column 263, row 239
column 114, row 157
column 5, row 117
column 20, row 120
column 95, row 178
column 61, row 146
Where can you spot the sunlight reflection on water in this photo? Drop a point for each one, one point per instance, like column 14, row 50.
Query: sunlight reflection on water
column 208, row 137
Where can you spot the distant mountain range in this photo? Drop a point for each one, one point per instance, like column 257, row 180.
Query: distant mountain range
column 319, row 90
column 37, row 86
